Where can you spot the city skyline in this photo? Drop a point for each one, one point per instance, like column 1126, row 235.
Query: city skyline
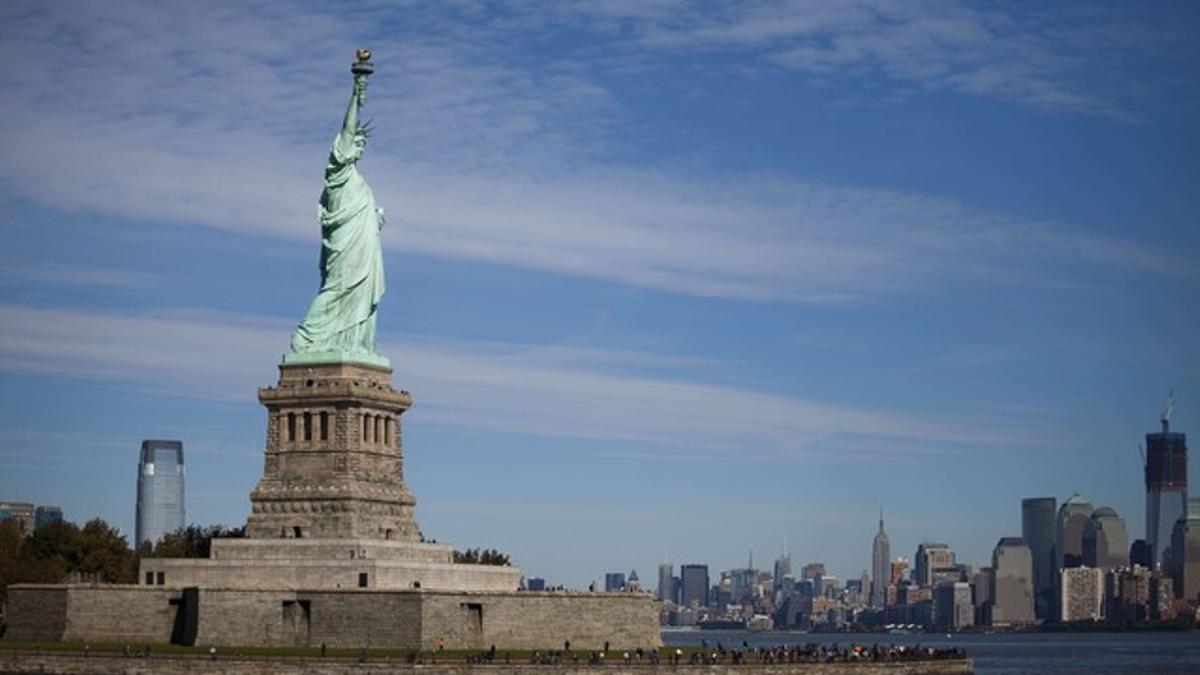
column 702, row 279
column 1107, row 554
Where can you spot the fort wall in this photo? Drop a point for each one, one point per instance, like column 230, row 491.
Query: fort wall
column 398, row 619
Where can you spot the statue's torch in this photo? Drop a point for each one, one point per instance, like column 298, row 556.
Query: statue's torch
column 361, row 69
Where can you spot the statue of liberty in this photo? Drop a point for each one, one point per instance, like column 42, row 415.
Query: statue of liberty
column 340, row 323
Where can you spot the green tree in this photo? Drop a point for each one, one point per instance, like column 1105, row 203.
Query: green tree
column 476, row 556
column 192, row 541
column 14, row 562
column 44, row 553
column 102, row 551
column 55, row 552
column 494, row 557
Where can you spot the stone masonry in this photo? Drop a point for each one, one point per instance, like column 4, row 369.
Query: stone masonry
column 399, row 619
column 334, row 464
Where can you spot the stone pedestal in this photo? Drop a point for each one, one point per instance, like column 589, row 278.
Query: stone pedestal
column 334, row 464
column 332, row 510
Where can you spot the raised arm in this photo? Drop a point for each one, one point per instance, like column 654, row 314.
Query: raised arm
column 357, row 98
column 350, row 141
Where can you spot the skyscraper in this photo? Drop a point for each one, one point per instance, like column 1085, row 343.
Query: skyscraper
column 881, row 555
column 1039, row 530
column 693, row 582
column 812, row 570
column 614, row 581
column 981, row 590
column 783, row 568
column 933, row 562
column 899, row 570
column 1139, row 554
column 1072, row 519
column 160, row 490
column 666, row 583
column 46, row 515
column 1185, row 553
column 953, row 610
column 743, row 583
column 1012, row 582
column 1166, row 485
column 1105, row 542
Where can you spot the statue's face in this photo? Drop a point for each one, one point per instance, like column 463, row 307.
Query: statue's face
column 360, row 144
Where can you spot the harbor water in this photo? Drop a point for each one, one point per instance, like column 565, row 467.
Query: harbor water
column 1002, row 653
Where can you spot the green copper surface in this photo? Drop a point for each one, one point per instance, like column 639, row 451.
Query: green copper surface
column 336, row 356
column 340, row 322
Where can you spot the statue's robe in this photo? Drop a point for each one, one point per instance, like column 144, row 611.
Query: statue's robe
column 342, row 316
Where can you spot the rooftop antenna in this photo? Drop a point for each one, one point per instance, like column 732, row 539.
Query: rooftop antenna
column 1165, row 417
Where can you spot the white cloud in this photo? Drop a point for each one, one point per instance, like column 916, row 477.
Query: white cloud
column 1053, row 58
column 543, row 390
column 757, row 238
column 221, row 118
column 75, row 276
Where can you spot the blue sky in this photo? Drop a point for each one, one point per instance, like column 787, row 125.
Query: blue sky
column 668, row 280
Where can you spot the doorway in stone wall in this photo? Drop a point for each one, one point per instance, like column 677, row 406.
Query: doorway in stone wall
column 297, row 621
column 185, row 611
column 472, row 622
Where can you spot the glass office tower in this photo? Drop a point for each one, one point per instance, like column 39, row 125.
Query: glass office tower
column 1039, row 528
column 693, row 580
column 160, row 490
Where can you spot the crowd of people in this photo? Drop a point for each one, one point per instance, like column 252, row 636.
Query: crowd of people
column 820, row 653
column 720, row 655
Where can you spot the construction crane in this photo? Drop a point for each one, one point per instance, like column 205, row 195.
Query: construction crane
column 1165, row 417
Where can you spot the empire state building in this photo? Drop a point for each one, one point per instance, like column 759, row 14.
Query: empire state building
column 880, row 557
